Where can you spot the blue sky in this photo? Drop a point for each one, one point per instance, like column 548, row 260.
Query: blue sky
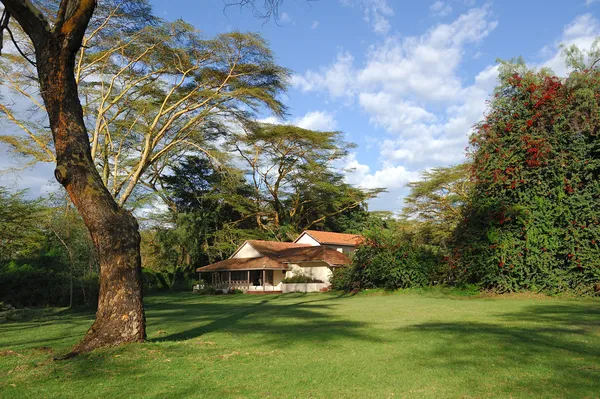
column 405, row 80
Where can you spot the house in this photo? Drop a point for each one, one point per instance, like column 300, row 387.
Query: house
column 260, row 266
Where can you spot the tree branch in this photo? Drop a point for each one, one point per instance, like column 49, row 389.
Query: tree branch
column 31, row 19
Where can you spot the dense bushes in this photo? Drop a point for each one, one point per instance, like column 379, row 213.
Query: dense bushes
column 300, row 279
column 44, row 282
column 533, row 222
column 390, row 259
column 161, row 281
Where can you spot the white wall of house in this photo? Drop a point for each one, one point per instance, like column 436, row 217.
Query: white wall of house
column 303, row 287
column 246, row 251
column 317, row 270
column 345, row 249
column 306, row 239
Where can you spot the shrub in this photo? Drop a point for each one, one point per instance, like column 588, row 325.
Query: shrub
column 44, row 283
column 388, row 259
column 206, row 290
column 300, row 279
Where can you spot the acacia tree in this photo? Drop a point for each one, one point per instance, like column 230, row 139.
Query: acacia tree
column 120, row 316
column 56, row 40
column 152, row 92
column 436, row 202
column 292, row 173
column 32, row 140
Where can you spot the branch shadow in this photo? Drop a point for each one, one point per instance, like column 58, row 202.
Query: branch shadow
column 277, row 318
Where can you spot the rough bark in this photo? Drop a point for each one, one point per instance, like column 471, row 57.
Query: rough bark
column 120, row 316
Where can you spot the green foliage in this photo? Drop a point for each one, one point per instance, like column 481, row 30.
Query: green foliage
column 154, row 280
column 300, row 279
column 46, row 255
column 533, row 220
column 205, row 224
column 436, row 202
column 208, row 290
column 44, row 281
column 390, row 258
column 295, row 186
column 20, row 232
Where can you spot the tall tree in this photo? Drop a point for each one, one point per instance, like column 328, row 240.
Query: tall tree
column 120, row 316
column 533, row 222
column 292, row 173
column 208, row 218
column 151, row 92
column 56, row 34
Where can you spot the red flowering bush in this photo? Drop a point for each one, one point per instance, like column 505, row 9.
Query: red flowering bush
column 533, row 222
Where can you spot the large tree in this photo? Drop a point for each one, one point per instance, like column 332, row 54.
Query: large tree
column 533, row 219
column 120, row 316
column 294, row 177
column 56, row 38
column 207, row 218
column 151, row 92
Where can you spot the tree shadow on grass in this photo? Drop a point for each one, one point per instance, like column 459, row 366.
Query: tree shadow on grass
column 277, row 318
column 543, row 349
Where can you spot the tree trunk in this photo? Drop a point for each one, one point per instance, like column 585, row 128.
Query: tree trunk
column 114, row 231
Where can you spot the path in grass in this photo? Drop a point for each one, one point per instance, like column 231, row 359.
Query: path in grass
column 317, row 345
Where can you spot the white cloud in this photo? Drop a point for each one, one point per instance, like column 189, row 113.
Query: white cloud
column 583, row 26
column 315, row 24
column 419, row 67
column 313, row 120
column 590, row 2
column 335, row 79
column 316, row 120
column 440, row 9
column 376, row 13
column 285, row 17
column 393, row 114
column 411, row 87
column 582, row 32
column 389, row 177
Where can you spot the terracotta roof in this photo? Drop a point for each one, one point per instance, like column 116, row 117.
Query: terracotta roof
column 264, row 262
column 313, row 254
column 326, row 237
column 272, row 248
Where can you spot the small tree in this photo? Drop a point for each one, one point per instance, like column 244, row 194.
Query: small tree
column 20, row 231
column 437, row 201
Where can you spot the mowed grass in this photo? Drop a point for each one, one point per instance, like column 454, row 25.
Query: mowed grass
column 317, row 346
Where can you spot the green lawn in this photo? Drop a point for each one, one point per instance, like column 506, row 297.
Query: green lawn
column 318, row 346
